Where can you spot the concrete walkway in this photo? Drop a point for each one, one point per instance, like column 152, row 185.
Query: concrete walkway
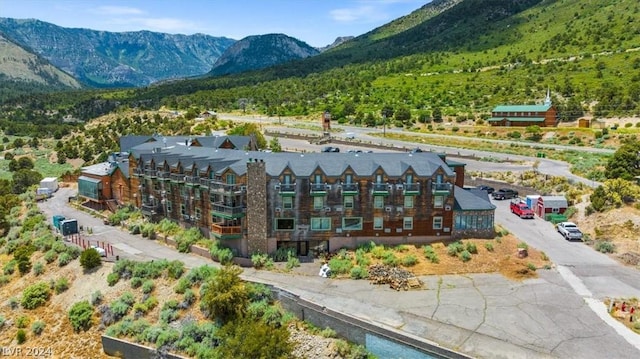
column 481, row 315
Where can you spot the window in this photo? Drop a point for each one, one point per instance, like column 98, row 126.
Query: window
column 169, row 207
column 378, row 201
column 198, row 213
column 348, row 201
column 438, row 201
column 321, row 224
column 285, row 224
column 555, row 210
column 407, row 223
column 378, row 178
column 183, row 191
column 286, row 179
column 183, row 210
column 351, row 223
column 317, row 179
column 348, row 178
column 409, row 179
column 196, row 192
column 168, row 188
column 437, row 222
column 231, row 179
column 408, row 201
column 318, row 202
column 378, row 223
column 438, row 178
column 287, row 202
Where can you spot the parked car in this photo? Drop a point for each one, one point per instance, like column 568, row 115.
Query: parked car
column 330, row 149
column 504, row 193
column 520, row 209
column 569, row 231
column 488, row 189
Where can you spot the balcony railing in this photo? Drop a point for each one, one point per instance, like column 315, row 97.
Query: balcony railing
column 226, row 232
column 150, row 173
column 287, row 189
column 350, row 188
column 162, row 175
column 221, row 187
column 192, row 180
column 411, row 188
column 381, row 188
column 319, row 189
column 138, row 172
column 441, row 188
column 225, row 211
column 177, row 177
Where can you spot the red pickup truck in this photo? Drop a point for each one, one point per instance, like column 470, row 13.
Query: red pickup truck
column 520, row 208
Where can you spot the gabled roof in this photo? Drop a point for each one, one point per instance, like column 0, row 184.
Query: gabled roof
column 554, row 201
column 517, row 119
column 521, row 108
column 472, row 200
column 128, row 142
column 301, row 164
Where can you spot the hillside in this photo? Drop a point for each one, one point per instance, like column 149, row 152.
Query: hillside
column 24, row 72
column 261, row 51
column 108, row 59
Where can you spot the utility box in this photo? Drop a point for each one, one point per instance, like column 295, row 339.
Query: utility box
column 68, row 227
column 57, row 219
column 50, row 182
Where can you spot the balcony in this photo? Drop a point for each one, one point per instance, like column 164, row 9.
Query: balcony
column 150, row 173
column 221, row 231
column 192, row 180
column 441, row 189
column 138, row 172
column 177, row 177
column 411, row 189
column 350, row 188
column 225, row 211
column 380, row 189
column 225, row 188
column 319, row 189
column 163, row 176
column 286, row 189
column 148, row 209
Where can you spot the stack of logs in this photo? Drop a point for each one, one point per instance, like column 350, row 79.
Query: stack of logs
column 397, row 278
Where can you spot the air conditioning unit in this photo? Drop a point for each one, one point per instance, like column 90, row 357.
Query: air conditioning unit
column 338, row 209
column 399, row 209
column 278, row 209
column 447, row 208
column 327, row 187
column 387, row 208
column 390, row 187
column 327, row 209
column 447, row 229
column 399, row 187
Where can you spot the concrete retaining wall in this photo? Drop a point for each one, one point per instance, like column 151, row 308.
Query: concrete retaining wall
column 123, row 349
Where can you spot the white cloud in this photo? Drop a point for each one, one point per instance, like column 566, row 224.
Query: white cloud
column 117, row 10
column 356, row 14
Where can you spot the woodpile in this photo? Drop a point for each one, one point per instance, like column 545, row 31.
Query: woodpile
column 397, row 278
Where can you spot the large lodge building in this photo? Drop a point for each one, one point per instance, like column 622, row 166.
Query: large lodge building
column 257, row 202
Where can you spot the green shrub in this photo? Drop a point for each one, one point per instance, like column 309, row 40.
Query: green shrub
column 96, row 298
column 358, row 272
column 148, row 286
column 175, row 269
column 38, row 327
column 605, row 247
column 50, row 256
column 465, row 256
column 73, row 251
column 282, row 254
column 409, row 260
column 401, row 248
column 523, row 245
column 119, row 309
column 292, row 262
column 38, row 269
column 471, row 248
column 134, row 229
column 21, row 336
column 185, row 240
column 488, row 246
column 64, row 259
column 10, row 267
column 391, row 260
column 62, row 284
column 340, row 266
column 80, row 316
column 367, row 246
column 112, row 279
column 90, row 258
column 454, row 248
column 378, row 252
column 4, row 279
column 260, row 260
column 430, row 254
column 35, row 295
column 531, row 267
column 13, row 303
column 167, row 337
column 361, row 258
column 151, row 302
column 168, row 315
column 182, row 285
column 22, row 321
column 136, row 282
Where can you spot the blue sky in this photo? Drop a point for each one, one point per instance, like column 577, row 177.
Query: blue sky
column 317, row 22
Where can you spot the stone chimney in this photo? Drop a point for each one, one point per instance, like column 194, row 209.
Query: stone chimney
column 256, row 207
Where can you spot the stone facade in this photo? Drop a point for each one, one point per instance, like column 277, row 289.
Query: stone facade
column 256, row 207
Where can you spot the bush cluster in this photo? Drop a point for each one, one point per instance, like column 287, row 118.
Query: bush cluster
column 80, row 315
column 430, row 254
column 35, row 295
